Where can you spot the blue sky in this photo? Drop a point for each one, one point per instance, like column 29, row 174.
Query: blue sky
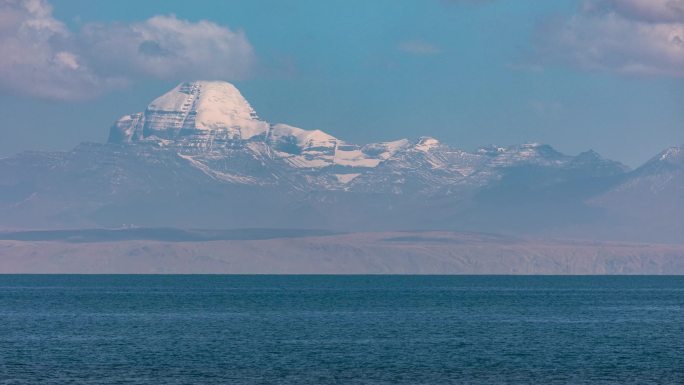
column 574, row 74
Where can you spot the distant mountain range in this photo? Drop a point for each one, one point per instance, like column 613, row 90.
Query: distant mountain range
column 200, row 157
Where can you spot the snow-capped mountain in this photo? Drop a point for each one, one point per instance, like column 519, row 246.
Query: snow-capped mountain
column 650, row 200
column 200, row 156
column 212, row 127
column 198, row 109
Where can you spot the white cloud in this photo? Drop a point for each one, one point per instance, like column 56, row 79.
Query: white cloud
column 38, row 56
column 167, row 47
column 643, row 10
column 42, row 57
column 419, row 47
column 644, row 37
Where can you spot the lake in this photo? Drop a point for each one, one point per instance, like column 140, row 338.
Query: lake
column 131, row 329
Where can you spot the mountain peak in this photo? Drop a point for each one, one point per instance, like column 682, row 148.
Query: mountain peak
column 426, row 143
column 198, row 107
column 217, row 103
column 209, row 106
column 592, row 163
column 668, row 160
column 673, row 154
column 589, row 155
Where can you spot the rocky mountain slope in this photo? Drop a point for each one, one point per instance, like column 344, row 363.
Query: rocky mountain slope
column 199, row 156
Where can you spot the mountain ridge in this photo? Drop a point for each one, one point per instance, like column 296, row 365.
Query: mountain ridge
column 200, row 156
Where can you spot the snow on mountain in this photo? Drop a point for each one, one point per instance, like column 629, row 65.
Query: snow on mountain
column 672, row 157
column 426, row 143
column 199, row 155
column 201, row 107
column 650, row 199
column 529, row 153
column 300, row 138
column 662, row 173
column 215, row 129
column 302, row 148
column 213, row 115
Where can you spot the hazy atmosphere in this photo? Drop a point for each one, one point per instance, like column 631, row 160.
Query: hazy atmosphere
column 549, row 121
column 320, row 192
column 606, row 75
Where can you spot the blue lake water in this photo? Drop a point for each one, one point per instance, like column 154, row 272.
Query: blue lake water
column 341, row 330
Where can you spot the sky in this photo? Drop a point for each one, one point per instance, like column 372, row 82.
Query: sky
column 606, row 75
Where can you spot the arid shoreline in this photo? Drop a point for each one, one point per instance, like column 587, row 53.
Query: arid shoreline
column 357, row 253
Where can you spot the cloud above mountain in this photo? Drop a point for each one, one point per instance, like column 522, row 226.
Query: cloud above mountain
column 630, row 37
column 42, row 57
column 648, row 10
